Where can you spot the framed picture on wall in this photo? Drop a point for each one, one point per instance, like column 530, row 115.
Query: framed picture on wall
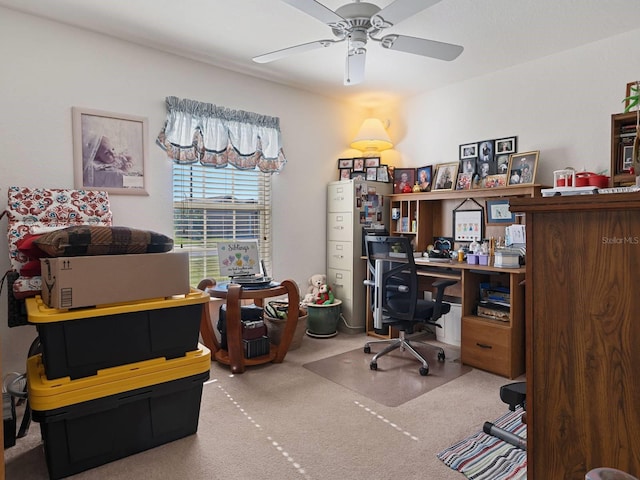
column 345, row 173
column 109, row 151
column 498, row 212
column 467, row 225
column 358, row 165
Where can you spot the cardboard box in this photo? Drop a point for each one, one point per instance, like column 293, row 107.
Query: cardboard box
column 73, row 282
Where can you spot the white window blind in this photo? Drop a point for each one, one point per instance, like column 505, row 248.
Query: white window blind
column 219, row 204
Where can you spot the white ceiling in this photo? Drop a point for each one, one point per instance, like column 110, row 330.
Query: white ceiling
column 496, row 34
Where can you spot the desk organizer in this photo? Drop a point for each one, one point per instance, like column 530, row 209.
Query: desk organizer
column 79, row 343
column 118, row 412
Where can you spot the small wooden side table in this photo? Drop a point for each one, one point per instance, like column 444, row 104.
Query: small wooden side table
column 234, row 293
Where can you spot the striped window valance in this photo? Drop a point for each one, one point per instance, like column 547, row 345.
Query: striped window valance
column 217, row 136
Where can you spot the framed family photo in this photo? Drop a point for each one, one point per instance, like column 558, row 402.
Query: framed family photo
column 446, row 176
column 109, row 151
column 383, row 174
column 522, row 168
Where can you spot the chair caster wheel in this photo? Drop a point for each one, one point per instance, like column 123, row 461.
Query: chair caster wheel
column 373, row 366
column 367, row 349
column 424, row 371
column 441, row 356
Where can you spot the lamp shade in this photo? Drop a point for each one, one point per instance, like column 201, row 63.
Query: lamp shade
column 372, row 136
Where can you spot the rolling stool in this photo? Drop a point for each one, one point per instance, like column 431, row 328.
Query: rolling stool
column 514, row 395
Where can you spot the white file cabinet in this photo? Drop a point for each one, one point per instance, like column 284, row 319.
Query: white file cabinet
column 352, row 205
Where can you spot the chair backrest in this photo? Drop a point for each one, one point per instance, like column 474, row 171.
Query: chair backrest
column 394, row 276
column 34, row 210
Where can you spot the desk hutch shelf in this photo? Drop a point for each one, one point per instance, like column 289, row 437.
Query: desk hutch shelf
column 493, row 345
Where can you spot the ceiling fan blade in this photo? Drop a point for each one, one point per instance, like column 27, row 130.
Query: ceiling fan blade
column 285, row 52
column 399, row 10
column 422, row 46
column 354, row 68
column 316, row 10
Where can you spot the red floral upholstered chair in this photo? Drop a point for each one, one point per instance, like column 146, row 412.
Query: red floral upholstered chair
column 35, row 211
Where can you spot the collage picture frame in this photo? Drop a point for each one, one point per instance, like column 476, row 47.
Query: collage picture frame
column 363, row 168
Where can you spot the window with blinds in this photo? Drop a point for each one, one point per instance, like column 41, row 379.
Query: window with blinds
column 219, row 204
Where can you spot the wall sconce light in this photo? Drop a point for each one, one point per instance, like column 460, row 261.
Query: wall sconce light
column 372, row 138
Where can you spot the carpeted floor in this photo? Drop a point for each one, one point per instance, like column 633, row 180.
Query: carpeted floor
column 485, row 457
column 397, row 379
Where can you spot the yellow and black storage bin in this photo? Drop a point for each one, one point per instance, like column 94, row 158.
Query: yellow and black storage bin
column 77, row 343
column 117, row 412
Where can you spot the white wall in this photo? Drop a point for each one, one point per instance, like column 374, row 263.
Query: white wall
column 48, row 68
column 560, row 105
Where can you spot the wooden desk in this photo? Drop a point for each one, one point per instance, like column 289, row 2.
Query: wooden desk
column 492, row 345
column 234, row 294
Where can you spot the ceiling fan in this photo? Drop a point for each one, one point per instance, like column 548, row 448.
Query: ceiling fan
column 358, row 22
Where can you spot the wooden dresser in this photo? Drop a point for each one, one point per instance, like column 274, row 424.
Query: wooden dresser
column 582, row 334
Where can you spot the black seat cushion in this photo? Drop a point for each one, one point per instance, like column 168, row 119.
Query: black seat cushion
column 423, row 312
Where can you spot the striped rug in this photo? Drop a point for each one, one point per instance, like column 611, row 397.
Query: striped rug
column 484, row 457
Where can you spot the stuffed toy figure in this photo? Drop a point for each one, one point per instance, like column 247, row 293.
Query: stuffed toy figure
column 315, row 282
column 325, row 295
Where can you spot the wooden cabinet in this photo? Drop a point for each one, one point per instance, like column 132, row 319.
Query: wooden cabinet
column 493, row 345
column 352, row 205
column 583, row 334
column 623, row 131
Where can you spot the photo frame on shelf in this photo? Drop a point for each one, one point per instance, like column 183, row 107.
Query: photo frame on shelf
column 425, row 177
column 403, row 177
column 468, row 225
column 493, row 181
column 358, row 175
column 344, row 163
column 498, row 212
column 371, row 162
column 445, row 176
column 464, row 181
column 468, row 150
column 627, row 158
column 358, row 165
column 372, row 174
column 382, row 174
column 345, row 174
column 522, row 168
column 468, row 165
column 506, row 145
column 109, row 151
column 487, row 151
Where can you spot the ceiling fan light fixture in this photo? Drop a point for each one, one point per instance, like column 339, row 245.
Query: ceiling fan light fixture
column 372, row 137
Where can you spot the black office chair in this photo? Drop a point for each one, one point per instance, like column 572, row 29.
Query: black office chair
column 393, row 285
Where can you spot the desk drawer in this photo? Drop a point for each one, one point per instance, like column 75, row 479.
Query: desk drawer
column 340, row 255
column 486, row 345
